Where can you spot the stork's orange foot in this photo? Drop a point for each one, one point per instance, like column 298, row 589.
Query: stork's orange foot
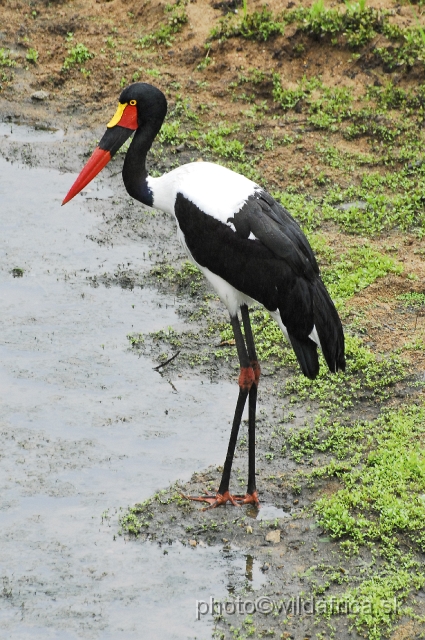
column 248, row 498
column 214, row 500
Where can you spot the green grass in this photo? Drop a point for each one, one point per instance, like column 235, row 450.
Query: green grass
column 356, row 270
column 413, row 299
column 5, row 59
column 77, row 55
column 289, row 98
column 355, row 26
column 6, row 64
column 378, row 202
column 382, row 502
column 216, row 140
column 32, row 55
column 259, row 25
column 187, row 278
column 176, row 18
column 368, row 376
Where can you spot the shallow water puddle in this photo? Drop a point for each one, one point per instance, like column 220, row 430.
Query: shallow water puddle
column 87, row 427
column 268, row 513
column 23, row 133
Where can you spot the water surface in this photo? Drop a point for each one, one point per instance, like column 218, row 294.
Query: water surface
column 87, row 428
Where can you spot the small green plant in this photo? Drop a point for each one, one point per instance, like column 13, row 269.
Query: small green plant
column 5, row 59
column 217, row 140
column 205, row 62
column 77, row 55
column 32, row 55
column 289, row 98
column 153, row 73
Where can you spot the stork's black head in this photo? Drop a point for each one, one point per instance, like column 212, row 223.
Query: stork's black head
column 149, row 101
column 141, row 106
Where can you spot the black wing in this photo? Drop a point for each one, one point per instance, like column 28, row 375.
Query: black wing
column 278, row 269
column 274, row 226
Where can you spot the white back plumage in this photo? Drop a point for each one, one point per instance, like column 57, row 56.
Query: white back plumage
column 217, row 191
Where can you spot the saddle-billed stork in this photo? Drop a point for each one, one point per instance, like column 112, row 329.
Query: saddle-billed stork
column 245, row 243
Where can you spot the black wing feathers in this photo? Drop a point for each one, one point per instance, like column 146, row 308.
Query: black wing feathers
column 306, row 352
column 329, row 328
column 275, row 228
column 278, row 269
column 291, row 227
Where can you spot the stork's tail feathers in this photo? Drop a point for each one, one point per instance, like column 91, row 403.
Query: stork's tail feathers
column 306, row 352
column 328, row 328
column 327, row 331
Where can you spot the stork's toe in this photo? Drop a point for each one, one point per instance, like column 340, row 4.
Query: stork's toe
column 214, row 500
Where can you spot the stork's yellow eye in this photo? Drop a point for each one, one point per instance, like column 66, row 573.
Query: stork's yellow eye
column 133, row 102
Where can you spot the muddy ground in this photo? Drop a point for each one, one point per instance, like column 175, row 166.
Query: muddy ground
column 207, row 86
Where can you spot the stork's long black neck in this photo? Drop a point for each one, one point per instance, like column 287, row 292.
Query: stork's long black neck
column 134, row 171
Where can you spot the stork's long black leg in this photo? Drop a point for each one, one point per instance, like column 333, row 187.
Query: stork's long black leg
column 246, row 381
column 244, row 388
column 251, row 493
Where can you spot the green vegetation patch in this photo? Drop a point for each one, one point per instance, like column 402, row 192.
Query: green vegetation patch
column 184, row 126
column 355, row 26
column 5, row 59
column 368, row 376
column 382, row 502
column 377, row 202
column 187, row 278
column 77, row 55
column 259, row 25
column 358, row 24
column 215, row 140
column 6, row 63
column 139, row 517
column 32, row 55
column 356, row 270
column 413, row 299
column 176, row 17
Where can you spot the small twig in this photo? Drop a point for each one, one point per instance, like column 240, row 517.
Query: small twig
column 416, row 319
column 163, row 364
column 173, row 387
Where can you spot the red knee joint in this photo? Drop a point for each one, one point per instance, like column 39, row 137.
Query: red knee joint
column 257, row 371
column 246, row 378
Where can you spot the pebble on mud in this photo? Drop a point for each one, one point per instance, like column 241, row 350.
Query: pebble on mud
column 40, row 95
column 273, row 536
column 193, row 543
